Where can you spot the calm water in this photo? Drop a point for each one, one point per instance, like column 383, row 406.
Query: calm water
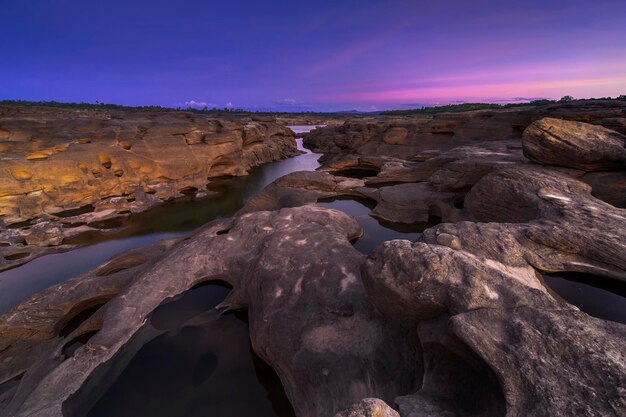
column 203, row 365
column 167, row 221
column 373, row 232
column 597, row 296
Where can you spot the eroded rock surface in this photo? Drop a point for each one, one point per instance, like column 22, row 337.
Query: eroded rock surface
column 56, row 162
column 494, row 342
column 575, row 145
column 409, row 137
column 294, row 270
column 459, row 323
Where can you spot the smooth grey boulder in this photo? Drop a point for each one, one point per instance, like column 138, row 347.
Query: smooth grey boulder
column 493, row 341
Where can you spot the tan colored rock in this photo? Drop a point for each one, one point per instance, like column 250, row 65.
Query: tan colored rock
column 21, row 174
column 369, row 407
column 37, row 156
column 396, row 136
column 574, row 145
column 77, row 161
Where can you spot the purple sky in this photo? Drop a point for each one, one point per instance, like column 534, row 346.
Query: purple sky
column 321, row 55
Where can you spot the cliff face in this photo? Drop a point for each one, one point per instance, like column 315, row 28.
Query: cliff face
column 56, row 160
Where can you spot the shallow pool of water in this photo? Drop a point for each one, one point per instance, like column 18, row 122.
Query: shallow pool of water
column 374, row 232
column 202, row 365
column 597, row 296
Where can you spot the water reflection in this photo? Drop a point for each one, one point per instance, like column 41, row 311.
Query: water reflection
column 597, row 296
column 202, row 365
column 374, row 233
column 170, row 220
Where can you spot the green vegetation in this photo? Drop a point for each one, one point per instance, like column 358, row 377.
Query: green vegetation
column 77, row 106
column 449, row 108
column 458, row 108
column 214, row 111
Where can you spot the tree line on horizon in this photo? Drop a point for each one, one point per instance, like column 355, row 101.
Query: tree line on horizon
column 448, row 108
column 462, row 107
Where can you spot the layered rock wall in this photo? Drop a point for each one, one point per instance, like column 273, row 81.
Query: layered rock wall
column 57, row 160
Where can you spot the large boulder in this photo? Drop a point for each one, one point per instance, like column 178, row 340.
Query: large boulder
column 575, row 145
column 493, row 340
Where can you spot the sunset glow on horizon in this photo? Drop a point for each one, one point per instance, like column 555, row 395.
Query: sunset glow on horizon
column 365, row 55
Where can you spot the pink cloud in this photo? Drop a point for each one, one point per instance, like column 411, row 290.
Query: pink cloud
column 553, row 88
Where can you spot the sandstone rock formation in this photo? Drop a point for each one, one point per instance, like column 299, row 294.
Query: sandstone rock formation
column 369, row 407
column 58, row 160
column 59, row 163
column 407, row 137
column 493, row 341
column 575, row 145
column 294, row 270
column 458, row 323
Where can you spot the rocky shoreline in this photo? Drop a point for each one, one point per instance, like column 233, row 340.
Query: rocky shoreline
column 66, row 172
column 457, row 323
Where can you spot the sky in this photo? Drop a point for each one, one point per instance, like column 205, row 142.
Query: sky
column 310, row 55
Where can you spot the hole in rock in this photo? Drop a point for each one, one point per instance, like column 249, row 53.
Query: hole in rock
column 8, row 385
column 434, row 214
column 4, row 244
column 174, row 312
column 598, row 296
column 70, row 348
column 462, row 384
column 75, row 212
column 382, row 184
column 16, row 256
column 80, row 314
column 188, row 190
column 203, row 365
column 358, row 173
column 222, row 232
column 369, row 203
column 459, row 203
column 18, row 225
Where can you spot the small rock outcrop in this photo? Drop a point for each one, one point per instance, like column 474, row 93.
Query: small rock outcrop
column 369, row 407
